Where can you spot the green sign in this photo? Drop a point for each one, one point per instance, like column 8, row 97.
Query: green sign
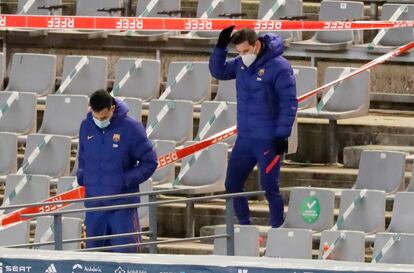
column 310, row 209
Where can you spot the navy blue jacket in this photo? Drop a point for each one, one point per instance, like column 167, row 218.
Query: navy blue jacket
column 266, row 91
column 116, row 159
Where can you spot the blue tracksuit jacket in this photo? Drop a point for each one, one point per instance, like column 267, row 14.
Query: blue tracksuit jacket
column 266, row 91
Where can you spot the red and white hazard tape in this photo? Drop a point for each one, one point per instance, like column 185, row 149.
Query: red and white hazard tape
column 184, row 24
column 78, row 193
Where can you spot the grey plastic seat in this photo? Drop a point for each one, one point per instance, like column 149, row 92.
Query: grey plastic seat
column 15, row 234
column 64, row 114
column 135, row 107
column 246, row 241
column 195, row 86
column 177, row 125
column 410, row 187
column 2, row 68
column 71, row 229
column 351, row 248
column 206, row 174
column 54, row 158
column 289, row 9
column 402, row 220
column 8, row 153
column 92, row 77
column 306, row 80
column 91, row 7
column 226, row 91
column 319, row 214
column 143, row 212
column 35, row 190
column 144, row 82
column 67, row 183
column 34, row 73
column 167, row 173
column 34, row 8
column 350, row 99
column 289, row 243
column 381, row 170
column 368, row 215
column 335, row 40
column 401, row 252
column 21, row 116
column 293, row 139
column 227, row 119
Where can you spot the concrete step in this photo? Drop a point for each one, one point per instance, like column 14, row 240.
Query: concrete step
column 352, row 155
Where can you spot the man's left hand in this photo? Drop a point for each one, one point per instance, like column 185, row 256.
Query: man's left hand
column 281, row 145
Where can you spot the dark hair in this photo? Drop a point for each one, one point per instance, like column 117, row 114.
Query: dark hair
column 244, row 35
column 100, row 100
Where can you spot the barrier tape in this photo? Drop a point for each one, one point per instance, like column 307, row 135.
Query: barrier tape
column 173, row 157
column 184, row 24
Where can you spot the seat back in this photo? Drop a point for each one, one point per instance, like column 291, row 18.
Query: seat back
column 21, row 116
column 401, row 252
column 352, row 95
column 34, row 73
column 144, row 82
column 177, row 125
column 91, row 77
column 134, row 106
column 2, row 68
column 246, row 241
column 15, row 234
column 306, row 80
column 398, row 36
column 310, row 208
column 195, row 86
column 369, row 213
column 339, row 11
column 381, row 170
column 67, row 183
column 90, row 7
column 8, row 153
column 351, row 248
column 298, row 240
column 161, row 5
column 167, row 173
column 33, row 10
column 226, row 91
column 143, row 212
column 64, row 114
column 402, row 220
column 53, row 159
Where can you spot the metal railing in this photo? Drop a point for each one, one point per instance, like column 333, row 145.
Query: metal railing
column 152, row 204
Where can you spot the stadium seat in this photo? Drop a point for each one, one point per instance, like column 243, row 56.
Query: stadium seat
column 369, row 213
column 44, row 232
column 351, row 248
column 39, row 7
column 206, row 174
column 144, row 82
column 226, row 91
column 246, row 241
column 135, row 107
column 319, row 218
column 21, row 116
column 53, row 159
column 8, row 155
column 401, row 252
column 2, row 68
column 410, row 187
column 177, row 125
column 306, row 80
column 227, row 119
column 271, row 10
column 335, row 40
column 289, row 243
column 99, row 8
column 33, row 73
column 64, row 114
column 393, row 37
column 67, row 183
column 35, row 190
column 381, row 170
column 143, row 212
column 195, row 86
column 91, row 77
column 402, row 220
column 167, row 173
column 15, row 234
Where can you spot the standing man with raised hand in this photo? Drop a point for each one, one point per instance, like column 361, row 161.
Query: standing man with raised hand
column 266, row 111
column 115, row 156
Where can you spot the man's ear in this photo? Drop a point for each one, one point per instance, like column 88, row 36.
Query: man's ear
column 113, row 108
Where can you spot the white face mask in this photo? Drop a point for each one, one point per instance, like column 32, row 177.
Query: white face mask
column 248, row 59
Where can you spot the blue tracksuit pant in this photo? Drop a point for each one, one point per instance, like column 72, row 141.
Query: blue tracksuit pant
column 248, row 152
column 113, row 222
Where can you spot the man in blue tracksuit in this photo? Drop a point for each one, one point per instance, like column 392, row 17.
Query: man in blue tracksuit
column 115, row 156
column 266, row 110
